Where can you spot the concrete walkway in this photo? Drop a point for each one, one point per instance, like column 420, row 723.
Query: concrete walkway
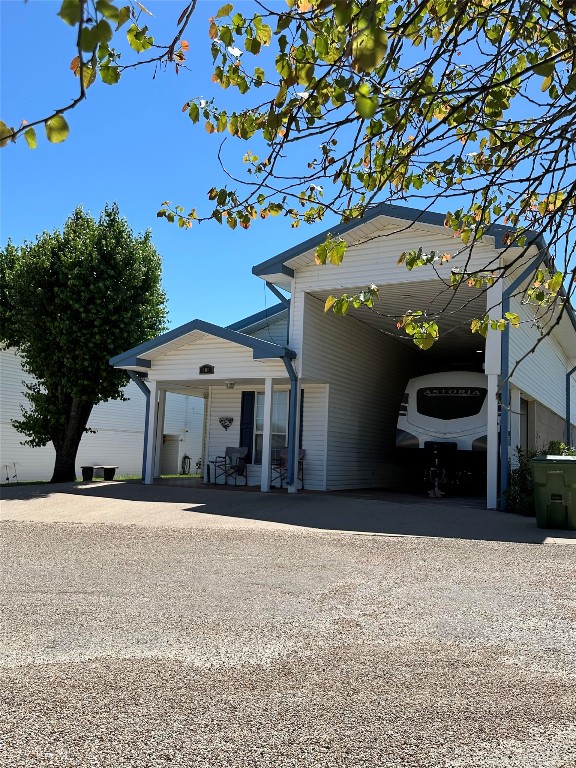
column 129, row 503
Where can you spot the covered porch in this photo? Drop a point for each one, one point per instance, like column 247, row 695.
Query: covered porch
column 249, row 386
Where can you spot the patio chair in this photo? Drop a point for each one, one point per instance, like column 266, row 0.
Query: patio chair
column 232, row 464
column 279, row 469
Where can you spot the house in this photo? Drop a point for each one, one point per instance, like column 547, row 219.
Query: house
column 294, row 375
column 116, row 439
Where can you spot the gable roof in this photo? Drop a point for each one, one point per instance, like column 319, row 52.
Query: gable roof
column 136, row 358
column 260, row 318
column 278, row 270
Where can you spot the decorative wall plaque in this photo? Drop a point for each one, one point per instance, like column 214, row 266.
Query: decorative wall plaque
column 226, row 422
column 205, row 369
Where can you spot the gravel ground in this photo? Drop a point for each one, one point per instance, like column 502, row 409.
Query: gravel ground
column 144, row 647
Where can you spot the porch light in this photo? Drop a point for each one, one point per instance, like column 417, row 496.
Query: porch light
column 230, row 384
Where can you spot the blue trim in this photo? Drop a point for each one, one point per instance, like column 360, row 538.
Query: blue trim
column 505, row 373
column 261, row 349
column 568, row 415
column 277, row 293
column 144, row 389
column 292, row 420
column 277, row 264
column 259, row 316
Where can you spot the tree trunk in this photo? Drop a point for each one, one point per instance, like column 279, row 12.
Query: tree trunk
column 68, row 440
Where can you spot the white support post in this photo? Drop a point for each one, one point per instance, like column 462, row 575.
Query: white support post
column 267, row 436
column 159, row 431
column 206, row 439
column 152, row 414
column 515, row 437
column 492, row 368
column 296, row 447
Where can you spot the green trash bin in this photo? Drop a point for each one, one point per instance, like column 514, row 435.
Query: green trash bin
column 555, row 491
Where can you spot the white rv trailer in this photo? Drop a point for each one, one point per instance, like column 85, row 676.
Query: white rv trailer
column 447, row 408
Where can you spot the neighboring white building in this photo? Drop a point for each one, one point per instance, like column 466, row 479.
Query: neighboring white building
column 119, row 435
column 300, row 377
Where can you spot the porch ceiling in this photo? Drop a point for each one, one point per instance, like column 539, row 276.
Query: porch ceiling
column 454, row 313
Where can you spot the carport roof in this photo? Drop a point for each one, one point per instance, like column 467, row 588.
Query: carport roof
column 277, row 268
column 136, row 358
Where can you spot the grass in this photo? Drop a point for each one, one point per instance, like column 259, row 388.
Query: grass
column 24, row 482
column 95, row 479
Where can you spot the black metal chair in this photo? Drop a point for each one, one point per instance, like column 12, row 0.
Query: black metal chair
column 232, row 464
column 279, row 468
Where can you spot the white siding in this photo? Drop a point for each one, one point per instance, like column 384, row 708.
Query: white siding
column 376, row 262
column 542, row 373
column 367, row 372
column 119, row 428
column 230, row 361
column 314, row 435
column 228, row 403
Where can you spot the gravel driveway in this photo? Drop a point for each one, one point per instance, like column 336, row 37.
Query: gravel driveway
column 218, row 645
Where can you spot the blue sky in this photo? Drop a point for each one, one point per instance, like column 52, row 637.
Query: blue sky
column 129, row 143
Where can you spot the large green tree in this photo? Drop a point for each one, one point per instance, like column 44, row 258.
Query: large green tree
column 468, row 103
column 68, row 302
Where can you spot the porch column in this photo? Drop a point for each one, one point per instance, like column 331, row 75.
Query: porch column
column 151, row 433
column 206, row 435
column 515, row 438
column 159, row 430
column 267, row 437
column 295, row 444
column 492, row 368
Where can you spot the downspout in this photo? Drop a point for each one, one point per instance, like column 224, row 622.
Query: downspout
column 292, row 420
column 505, row 368
column 143, row 388
column 568, row 416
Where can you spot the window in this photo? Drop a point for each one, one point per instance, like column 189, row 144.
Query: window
column 279, row 424
column 450, row 402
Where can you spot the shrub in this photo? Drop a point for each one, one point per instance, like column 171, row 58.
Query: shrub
column 520, row 492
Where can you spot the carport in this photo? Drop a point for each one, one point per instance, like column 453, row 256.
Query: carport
column 533, row 363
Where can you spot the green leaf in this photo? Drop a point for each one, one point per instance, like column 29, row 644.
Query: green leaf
column 108, row 10
column 138, row 39
column 425, row 342
column 123, row 16
column 57, row 129
column 545, row 69
column 344, row 10
column 226, row 10
column 555, row 283
column 321, row 254
column 264, row 34
column 194, row 112
column 284, row 21
column 30, row 136
column 513, row 319
column 330, row 301
column 70, row 12
column 365, row 102
column 4, row 132
column 369, row 48
column 110, row 75
column 336, row 252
